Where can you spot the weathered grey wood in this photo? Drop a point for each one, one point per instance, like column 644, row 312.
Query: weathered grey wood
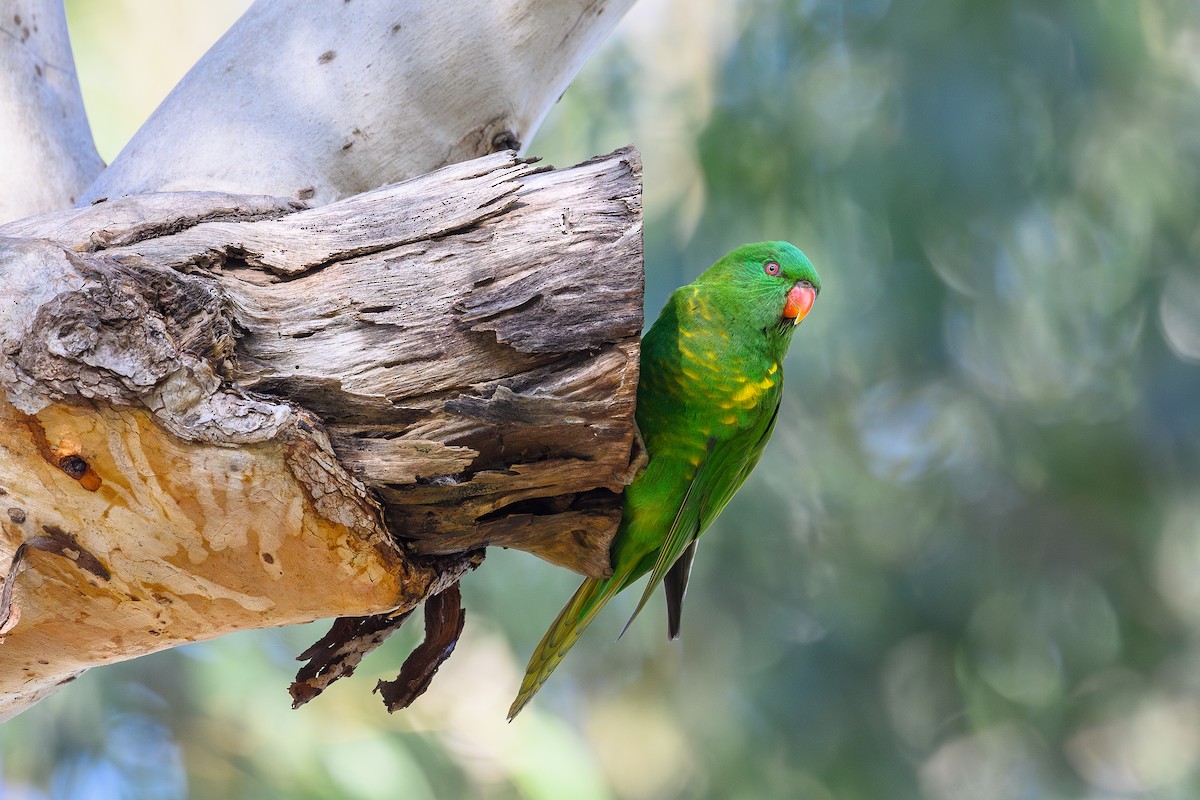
column 250, row 414
column 447, row 329
column 124, row 220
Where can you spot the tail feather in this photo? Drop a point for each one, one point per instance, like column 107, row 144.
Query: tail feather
column 675, row 585
column 566, row 629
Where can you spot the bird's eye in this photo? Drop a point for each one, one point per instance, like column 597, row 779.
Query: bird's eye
column 771, row 267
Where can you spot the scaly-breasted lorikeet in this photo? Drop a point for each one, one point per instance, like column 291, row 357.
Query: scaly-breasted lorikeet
column 707, row 401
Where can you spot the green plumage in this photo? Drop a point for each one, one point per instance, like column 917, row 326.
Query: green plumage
column 708, row 397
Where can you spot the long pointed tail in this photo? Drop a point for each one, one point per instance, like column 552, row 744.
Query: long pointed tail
column 566, row 629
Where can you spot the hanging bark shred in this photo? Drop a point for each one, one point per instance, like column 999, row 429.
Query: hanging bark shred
column 444, row 620
column 338, row 653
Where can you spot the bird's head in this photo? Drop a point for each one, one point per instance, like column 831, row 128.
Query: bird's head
column 768, row 285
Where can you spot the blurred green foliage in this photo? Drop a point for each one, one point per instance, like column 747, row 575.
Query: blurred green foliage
column 969, row 563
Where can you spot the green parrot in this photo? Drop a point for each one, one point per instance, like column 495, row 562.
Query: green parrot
column 707, row 401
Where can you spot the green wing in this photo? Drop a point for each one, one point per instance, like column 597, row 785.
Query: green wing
column 676, row 579
column 683, row 531
column 728, row 459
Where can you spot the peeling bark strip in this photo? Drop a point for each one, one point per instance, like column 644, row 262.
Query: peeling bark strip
column 55, row 541
column 61, row 543
column 247, row 413
column 338, row 653
column 444, row 620
column 10, row 615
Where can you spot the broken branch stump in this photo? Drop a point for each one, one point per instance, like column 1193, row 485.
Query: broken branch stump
column 222, row 412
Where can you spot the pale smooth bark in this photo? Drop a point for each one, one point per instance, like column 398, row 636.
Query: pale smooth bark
column 47, row 158
column 323, row 99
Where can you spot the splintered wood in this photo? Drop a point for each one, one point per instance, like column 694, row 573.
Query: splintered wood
column 220, row 412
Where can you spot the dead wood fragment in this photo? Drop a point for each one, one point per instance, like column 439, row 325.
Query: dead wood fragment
column 444, row 620
column 338, row 653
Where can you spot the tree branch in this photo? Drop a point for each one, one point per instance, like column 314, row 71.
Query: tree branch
column 353, row 95
column 201, row 392
column 49, row 158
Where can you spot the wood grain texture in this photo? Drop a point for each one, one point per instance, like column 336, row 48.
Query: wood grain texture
column 468, row 338
column 220, row 412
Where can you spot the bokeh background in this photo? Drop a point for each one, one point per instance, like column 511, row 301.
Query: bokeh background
column 968, row 565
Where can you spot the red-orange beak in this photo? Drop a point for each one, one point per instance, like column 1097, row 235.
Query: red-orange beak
column 800, row 299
